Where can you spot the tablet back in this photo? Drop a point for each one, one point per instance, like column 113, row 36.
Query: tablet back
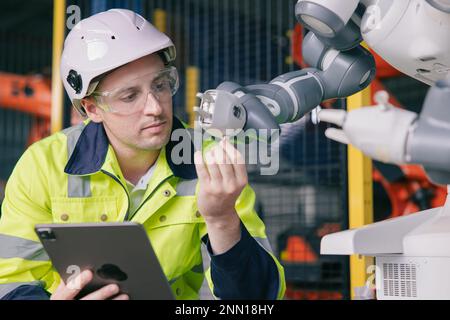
column 118, row 253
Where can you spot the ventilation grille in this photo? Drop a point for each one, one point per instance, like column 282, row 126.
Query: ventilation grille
column 399, row 280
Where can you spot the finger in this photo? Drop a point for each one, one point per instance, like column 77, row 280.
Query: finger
column 233, row 153
column 81, row 280
column 103, row 293
column 225, row 163
column 220, row 154
column 56, row 295
column 336, row 117
column 70, row 290
column 213, row 169
column 239, row 168
column 337, row 135
column 122, row 297
column 202, row 170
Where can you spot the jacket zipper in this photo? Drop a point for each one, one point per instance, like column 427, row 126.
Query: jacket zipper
column 124, row 189
column 128, row 196
column 149, row 196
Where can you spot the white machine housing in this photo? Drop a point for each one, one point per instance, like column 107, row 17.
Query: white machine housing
column 412, row 253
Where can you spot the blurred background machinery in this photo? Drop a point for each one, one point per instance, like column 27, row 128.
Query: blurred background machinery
column 248, row 42
column 25, row 67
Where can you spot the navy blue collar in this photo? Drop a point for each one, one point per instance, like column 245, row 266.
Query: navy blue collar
column 90, row 152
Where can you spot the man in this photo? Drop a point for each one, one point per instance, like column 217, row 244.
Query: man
column 116, row 68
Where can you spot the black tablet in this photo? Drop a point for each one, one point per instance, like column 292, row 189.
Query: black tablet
column 118, row 253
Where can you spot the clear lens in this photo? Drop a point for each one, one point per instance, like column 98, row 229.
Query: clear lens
column 133, row 96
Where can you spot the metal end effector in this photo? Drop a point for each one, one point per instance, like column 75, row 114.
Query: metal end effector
column 220, row 113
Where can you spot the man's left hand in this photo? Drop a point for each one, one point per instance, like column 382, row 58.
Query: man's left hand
column 222, row 177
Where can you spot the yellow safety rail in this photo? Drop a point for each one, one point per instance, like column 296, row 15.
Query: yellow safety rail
column 360, row 195
column 59, row 17
column 192, row 88
column 160, row 20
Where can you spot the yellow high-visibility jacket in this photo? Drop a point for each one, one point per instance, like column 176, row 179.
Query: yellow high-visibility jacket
column 74, row 177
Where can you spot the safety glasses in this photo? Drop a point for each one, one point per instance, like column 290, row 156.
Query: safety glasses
column 133, row 96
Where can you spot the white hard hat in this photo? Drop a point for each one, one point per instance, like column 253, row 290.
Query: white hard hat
column 104, row 42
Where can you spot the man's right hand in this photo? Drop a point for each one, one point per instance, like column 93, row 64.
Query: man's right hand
column 70, row 290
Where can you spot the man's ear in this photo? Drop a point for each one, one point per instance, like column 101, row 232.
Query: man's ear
column 93, row 112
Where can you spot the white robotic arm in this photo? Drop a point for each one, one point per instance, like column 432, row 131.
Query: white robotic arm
column 380, row 132
column 412, row 35
column 394, row 135
column 339, row 67
column 412, row 252
column 412, row 256
column 288, row 97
